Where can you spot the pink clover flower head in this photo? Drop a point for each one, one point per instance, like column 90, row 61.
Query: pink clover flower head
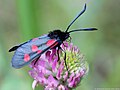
column 52, row 73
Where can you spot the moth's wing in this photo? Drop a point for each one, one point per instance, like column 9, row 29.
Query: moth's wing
column 31, row 50
column 16, row 47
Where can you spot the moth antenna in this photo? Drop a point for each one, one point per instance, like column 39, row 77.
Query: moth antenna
column 76, row 17
column 84, row 29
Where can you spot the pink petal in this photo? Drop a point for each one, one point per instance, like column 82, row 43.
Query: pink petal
column 54, row 64
column 33, row 74
column 82, row 72
column 65, row 76
column 71, row 77
column 58, row 76
column 52, row 81
column 48, row 55
column 61, row 87
column 72, row 83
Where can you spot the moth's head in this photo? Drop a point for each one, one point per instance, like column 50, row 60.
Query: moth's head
column 58, row 34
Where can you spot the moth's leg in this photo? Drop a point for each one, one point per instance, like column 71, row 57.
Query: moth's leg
column 65, row 60
column 70, row 39
column 58, row 53
column 36, row 60
column 59, row 48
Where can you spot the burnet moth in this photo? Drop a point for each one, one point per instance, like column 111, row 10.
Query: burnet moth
column 31, row 50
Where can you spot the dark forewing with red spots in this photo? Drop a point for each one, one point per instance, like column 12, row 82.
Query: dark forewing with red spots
column 31, row 50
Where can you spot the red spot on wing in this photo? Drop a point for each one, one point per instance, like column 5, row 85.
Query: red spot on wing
column 50, row 42
column 55, row 44
column 26, row 57
column 39, row 51
column 34, row 48
column 34, row 39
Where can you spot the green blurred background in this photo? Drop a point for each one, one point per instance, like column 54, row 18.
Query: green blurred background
column 21, row 20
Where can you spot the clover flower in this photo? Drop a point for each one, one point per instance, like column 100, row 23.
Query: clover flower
column 53, row 74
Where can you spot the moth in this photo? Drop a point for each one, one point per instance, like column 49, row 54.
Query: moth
column 31, row 50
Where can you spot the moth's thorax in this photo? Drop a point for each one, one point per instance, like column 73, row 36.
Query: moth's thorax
column 58, row 34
